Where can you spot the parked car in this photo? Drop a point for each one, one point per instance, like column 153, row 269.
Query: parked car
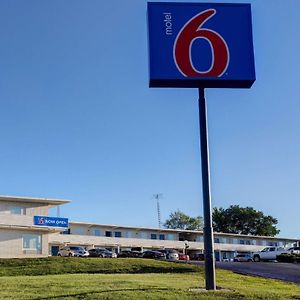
column 138, row 249
column 268, row 253
column 154, row 254
column 101, row 252
column 243, row 258
column 183, row 256
column 129, row 253
column 73, row 251
column 197, row 256
column 170, row 254
column 294, row 250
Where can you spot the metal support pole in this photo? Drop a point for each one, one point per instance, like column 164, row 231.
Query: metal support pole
column 209, row 256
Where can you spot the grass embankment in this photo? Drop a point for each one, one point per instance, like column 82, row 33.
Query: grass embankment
column 73, row 265
column 176, row 285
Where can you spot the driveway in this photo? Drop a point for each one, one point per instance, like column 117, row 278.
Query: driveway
column 275, row 270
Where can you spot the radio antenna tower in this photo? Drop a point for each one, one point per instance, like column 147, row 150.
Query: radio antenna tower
column 158, row 197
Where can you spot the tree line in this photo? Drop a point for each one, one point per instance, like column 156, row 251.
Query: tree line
column 235, row 219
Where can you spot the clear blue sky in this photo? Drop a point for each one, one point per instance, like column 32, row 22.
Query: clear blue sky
column 78, row 120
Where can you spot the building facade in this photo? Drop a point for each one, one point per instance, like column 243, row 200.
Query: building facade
column 23, row 235
column 19, row 235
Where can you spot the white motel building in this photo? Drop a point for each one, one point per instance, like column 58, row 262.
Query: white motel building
column 27, row 231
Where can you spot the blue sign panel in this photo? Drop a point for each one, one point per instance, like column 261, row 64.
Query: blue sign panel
column 50, row 221
column 200, row 45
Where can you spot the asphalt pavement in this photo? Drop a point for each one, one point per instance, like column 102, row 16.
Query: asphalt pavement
column 282, row 271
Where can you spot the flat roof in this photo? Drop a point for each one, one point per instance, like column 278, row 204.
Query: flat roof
column 48, row 201
column 218, row 234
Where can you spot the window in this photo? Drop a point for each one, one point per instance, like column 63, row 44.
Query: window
column 153, row 236
column 217, row 240
column 171, row 237
column 118, row 234
column 272, row 243
column 128, row 234
column 143, row 235
column 18, row 210
column 108, row 233
column 32, row 242
column 161, row 236
column 199, row 238
column 79, row 231
column 223, row 240
column 97, row 232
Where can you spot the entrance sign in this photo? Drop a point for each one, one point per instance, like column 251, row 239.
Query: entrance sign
column 200, row 45
column 50, row 221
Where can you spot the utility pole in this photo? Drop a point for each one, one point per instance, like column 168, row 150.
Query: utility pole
column 158, row 197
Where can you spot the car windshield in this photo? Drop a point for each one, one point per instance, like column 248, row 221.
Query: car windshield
column 76, row 248
column 294, row 248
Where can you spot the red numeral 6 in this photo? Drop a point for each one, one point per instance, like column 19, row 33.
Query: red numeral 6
column 191, row 31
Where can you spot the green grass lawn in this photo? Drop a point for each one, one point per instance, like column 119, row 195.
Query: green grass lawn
column 174, row 285
column 74, row 265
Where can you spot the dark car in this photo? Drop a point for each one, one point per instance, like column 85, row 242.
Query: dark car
column 129, row 253
column 154, row 254
column 101, row 252
column 197, row 256
column 137, row 249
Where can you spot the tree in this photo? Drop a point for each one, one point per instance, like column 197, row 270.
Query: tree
column 243, row 220
column 179, row 220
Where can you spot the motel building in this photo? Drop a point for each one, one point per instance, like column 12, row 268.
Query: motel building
column 27, row 231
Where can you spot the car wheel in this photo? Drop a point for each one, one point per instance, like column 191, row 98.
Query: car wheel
column 256, row 258
column 70, row 254
column 101, row 255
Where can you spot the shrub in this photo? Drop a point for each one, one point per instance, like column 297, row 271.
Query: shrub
column 288, row 258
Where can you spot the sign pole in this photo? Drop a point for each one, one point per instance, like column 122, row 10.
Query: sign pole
column 209, row 256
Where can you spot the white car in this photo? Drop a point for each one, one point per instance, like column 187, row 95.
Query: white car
column 268, row 253
column 73, row 251
column 242, row 258
column 170, row 254
column 294, row 250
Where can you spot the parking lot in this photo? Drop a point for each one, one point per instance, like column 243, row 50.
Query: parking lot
column 282, row 271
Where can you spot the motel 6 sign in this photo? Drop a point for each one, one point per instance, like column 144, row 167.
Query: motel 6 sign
column 200, row 45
